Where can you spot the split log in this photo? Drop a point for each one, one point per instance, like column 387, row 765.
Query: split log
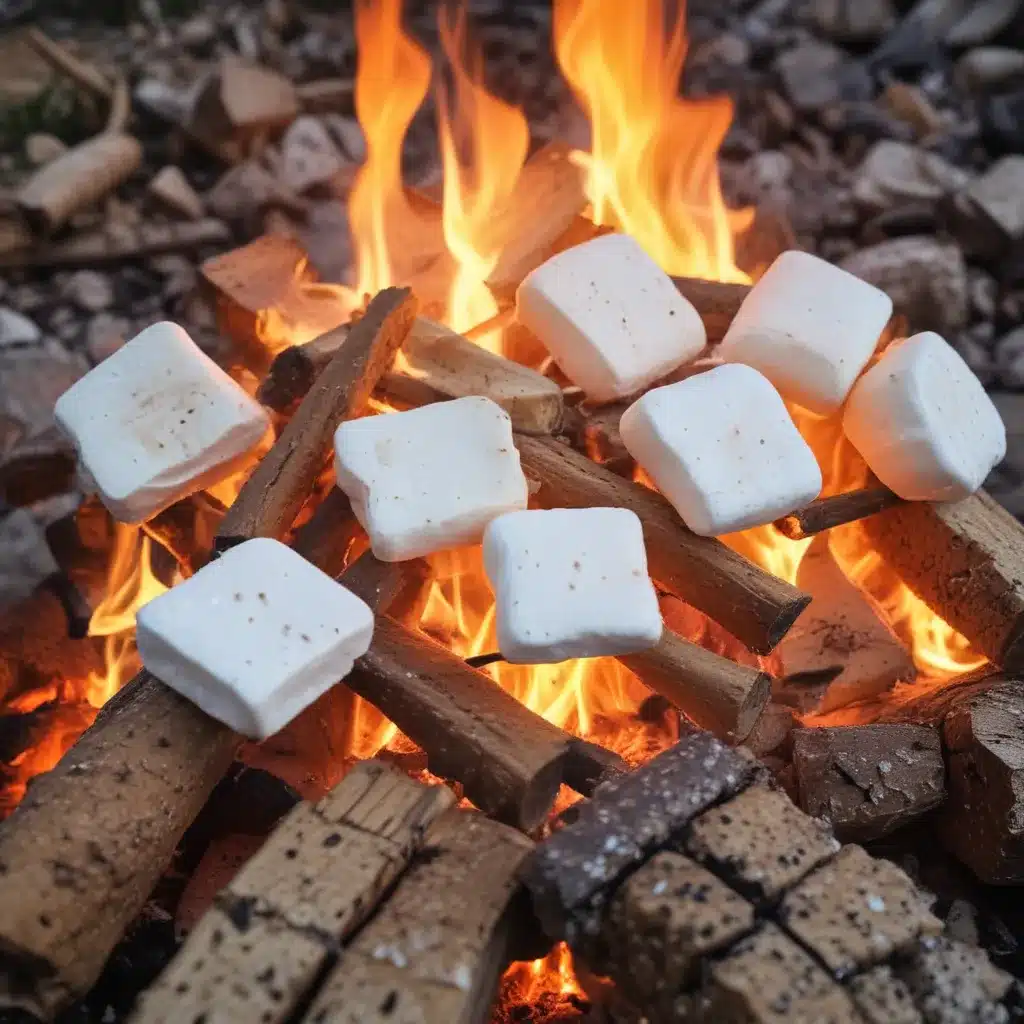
column 838, row 510
column 716, row 301
column 965, row 559
column 716, row 693
column 571, row 876
column 273, row 495
column 119, row 242
column 74, row 872
column 77, row 179
column 295, row 368
column 840, row 650
column 508, row 759
column 868, row 780
column 449, row 931
column 753, row 605
column 259, row 949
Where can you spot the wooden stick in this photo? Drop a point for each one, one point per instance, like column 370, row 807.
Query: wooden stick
column 448, row 930
column 273, row 495
column 713, row 691
column 68, row 64
column 77, row 179
column 108, row 817
column 314, row 882
column 753, row 605
column 716, row 301
column 838, row 510
column 509, row 759
column 119, row 243
column 120, row 108
column 966, row 560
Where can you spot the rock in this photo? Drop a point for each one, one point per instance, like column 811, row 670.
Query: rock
column 853, row 21
column 179, row 273
column 1009, row 357
column 43, row 149
column 997, row 194
column 816, row 74
column 238, row 100
column 197, row 32
column 309, row 156
column 925, row 278
column 89, row 290
column 1002, row 122
column 250, row 188
column 105, row 335
column 983, row 20
column 984, row 293
column 16, row 329
column 766, row 177
column 976, row 356
column 895, row 172
column 170, row 187
column 349, row 135
column 989, row 68
column 25, row 557
column 162, row 99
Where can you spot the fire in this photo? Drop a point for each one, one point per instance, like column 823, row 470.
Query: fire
column 548, row 980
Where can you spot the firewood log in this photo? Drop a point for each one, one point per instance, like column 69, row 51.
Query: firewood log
column 716, row 693
column 966, row 560
column 838, row 510
column 750, row 603
column 273, row 495
column 716, row 301
column 317, row 878
column 450, row 930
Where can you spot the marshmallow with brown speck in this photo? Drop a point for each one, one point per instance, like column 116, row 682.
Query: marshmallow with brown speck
column 157, row 421
column 810, row 328
column 923, row 422
column 610, row 316
column 254, row 637
column 430, row 479
column 570, row 583
column 723, row 449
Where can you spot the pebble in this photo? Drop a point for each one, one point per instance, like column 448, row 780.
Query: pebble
column 16, row 329
column 989, row 68
column 977, row 357
column 984, row 293
column 105, row 334
column 853, row 21
column 816, row 74
column 41, row 149
column 170, row 187
column 1010, row 360
column 89, row 290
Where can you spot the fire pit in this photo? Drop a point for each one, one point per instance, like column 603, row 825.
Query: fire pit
column 629, row 806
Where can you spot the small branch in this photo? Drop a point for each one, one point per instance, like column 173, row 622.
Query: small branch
column 68, row 64
column 838, row 510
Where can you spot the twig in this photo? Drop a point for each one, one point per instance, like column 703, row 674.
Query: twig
column 67, row 63
column 120, row 108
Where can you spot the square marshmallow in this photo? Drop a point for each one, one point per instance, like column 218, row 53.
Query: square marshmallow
column 722, row 448
column 570, row 583
column 810, row 328
column 254, row 637
column 432, row 478
column 157, row 421
column 610, row 316
column 923, row 422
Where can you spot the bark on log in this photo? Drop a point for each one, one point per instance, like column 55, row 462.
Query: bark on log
column 77, row 179
column 753, row 605
column 868, row 780
column 716, row 301
column 258, row 950
column 81, row 854
column 838, row 510
column 716, row 693
column 325, row 540
column 294, row 369
column 449, row 931
column 509, row 759
column 273, row 495
column 966, row 560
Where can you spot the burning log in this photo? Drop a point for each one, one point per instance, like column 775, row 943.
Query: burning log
column 868, row 780
column 716, row 693
column 716, row 301
column 445, row 954
column 756, row 607
column 313, row 883
column 965, row 559
column 838, row 510
column 510, row 761
column 273, row 495
column 77, row 179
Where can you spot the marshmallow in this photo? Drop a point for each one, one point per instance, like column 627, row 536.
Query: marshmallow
column 157, row 421
column 254, row 637
column 570, row 583
column 722, row 448
column 923, row 422
column 610, row 316
column 810, row 328
column 432, row 478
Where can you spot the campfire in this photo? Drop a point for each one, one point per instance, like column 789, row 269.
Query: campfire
column 790, row 638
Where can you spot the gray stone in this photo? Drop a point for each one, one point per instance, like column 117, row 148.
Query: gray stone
column 811, row 75
column 90, row 291
column 853, row 21
column 977, row 357
column 990, row 68
column 309, row 156
column 41, row 149
column 105, row 335
column 1010, row 360
column 25, row 557
column 349, row 135
column 31, row 381
column 982, row 21
column 895, row 172
column 999, row 194
column 16, row 329
column 984, row 292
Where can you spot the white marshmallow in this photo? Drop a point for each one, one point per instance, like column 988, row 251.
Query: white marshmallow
column 432, row 478
column 254, row 637
column 570, row 583
column 610, row 316
column 923, row 422
column 722, row 448
column 156, row 421
column 810, row 328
